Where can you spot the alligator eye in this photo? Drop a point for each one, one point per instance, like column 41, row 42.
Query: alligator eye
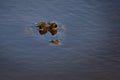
column 40, row 27
column 55, row 25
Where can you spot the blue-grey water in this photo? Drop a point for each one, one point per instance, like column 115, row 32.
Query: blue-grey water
column 90, row 47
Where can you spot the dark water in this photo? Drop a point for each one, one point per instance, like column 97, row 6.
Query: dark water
column 90, row 47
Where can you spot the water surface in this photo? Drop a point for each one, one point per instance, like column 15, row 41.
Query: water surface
column 90, row 47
